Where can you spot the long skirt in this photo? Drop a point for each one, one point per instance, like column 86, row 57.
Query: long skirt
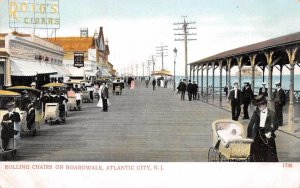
column 263, row 149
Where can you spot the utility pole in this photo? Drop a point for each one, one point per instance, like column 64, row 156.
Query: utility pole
column 143, row 69
column 136, row 69
column 185, row 33
column 160, row 52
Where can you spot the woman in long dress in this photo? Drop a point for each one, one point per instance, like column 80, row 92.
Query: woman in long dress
column 100, row 103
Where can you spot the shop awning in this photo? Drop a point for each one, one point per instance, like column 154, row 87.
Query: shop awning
column 20, row 67
column 61, row 71
column 91, row 73
column 104, row 72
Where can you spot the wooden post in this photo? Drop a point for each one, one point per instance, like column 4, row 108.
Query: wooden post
column 221, row 67
column 291, row 116
column 213, row 82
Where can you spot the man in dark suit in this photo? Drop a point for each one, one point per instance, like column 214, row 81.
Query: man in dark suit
column 104, row 96
column 261, row 129
column 7, row 124
column 236, row 101
column 279, row 102
column 190, row 90
column 153, row 83
column 247, row 96
column 182, row 87
column 195, row 90
column 263, row 90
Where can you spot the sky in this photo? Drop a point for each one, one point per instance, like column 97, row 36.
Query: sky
column 135, row 28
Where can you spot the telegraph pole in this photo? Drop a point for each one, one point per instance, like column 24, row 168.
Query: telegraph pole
column 143, row 69
column 161, row 53
column 185, row 33
column 136, row 69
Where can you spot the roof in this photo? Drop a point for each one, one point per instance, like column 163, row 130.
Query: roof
column 73, row 43
column 275, row 42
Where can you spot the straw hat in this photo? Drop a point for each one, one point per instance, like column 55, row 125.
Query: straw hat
column 10, row 104
column 277, row 83
column 260, row 99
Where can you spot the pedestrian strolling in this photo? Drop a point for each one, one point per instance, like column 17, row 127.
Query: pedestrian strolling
column 235, row 98
column 182, row 88
column 279, row 102
column 261, row 129
column 263, row 90
column 247, row 96
column 153, row 83
column 190, row 90
column 178, row 87
column 195, row 90
column 104, row 96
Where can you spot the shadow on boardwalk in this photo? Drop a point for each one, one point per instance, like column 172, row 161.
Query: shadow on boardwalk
column 141, row 125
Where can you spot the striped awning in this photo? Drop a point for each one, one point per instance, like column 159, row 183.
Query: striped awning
column 20, row 67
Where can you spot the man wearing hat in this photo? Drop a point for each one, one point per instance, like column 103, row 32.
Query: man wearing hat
column 190, row 90
column 247, row 96
column 8, row 123
column 263, row 90
column 261, row 129
column 195, row 90
column 236, row 101
column 279, row 102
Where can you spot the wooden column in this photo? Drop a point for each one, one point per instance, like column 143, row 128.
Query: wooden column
column 291, row 116
column 207, row 69
column 213, row 82
column 221, row 89
column 270, row 76
column 190, row 73
column 202, row 80
column 252, row 61
column 197, row 79
column 240, row 72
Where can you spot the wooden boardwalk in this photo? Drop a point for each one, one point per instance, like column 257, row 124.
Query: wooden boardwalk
column 141, row 125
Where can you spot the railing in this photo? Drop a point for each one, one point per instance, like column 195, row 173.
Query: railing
column 204, row 93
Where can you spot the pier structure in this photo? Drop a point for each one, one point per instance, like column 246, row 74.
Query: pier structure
column 277, row 53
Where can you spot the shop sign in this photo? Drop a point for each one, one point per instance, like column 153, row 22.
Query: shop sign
column 34, row 14
column 78, row 60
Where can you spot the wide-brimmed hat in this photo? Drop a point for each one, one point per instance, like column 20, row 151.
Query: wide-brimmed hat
column 10, row 104
column 277, row 83
column 258, row 100
column 264, row 83
column 247, row 83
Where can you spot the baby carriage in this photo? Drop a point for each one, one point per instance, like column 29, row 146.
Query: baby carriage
column 229, row 142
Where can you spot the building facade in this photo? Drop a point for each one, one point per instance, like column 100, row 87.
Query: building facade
column 30, row 59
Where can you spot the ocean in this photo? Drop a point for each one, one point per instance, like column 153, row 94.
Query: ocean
column 258, row 80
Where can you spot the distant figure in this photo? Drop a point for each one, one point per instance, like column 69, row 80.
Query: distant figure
column 279, row 102
column 195, row 90
column 190, row 90
column 153, row 83
column 78, row 98
column 132, row 84
column 182, row 88
column 226, row 90
column 147, row 83
column 236, row 101
column 104, row 96
column 247, row 96
column 178, row 88
column 263, row 90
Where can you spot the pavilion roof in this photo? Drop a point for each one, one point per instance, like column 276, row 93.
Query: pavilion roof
column 268, row 44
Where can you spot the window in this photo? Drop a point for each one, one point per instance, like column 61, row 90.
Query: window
column 2, row 43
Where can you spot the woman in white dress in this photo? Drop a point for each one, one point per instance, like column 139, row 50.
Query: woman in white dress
column 100, row 104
